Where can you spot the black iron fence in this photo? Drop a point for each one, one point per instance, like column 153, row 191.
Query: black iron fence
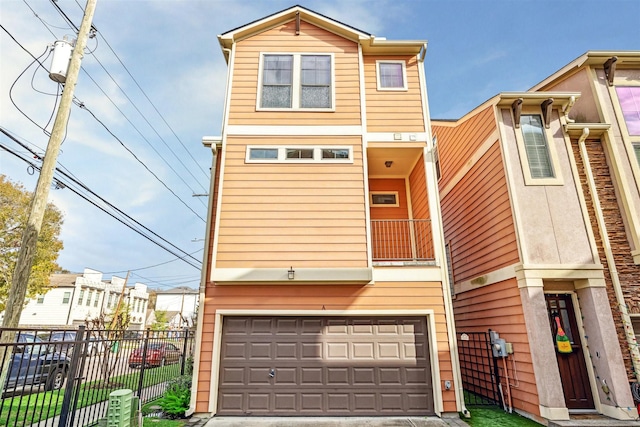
column 63, row 378
column 480, row 375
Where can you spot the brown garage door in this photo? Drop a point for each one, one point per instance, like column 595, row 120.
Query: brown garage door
column 324, row 366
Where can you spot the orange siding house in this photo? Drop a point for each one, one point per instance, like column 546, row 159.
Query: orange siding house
column 541, row 211
column 325, row 289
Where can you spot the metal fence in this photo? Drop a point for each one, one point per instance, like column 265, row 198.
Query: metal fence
column 63, row 378
column 480, row 375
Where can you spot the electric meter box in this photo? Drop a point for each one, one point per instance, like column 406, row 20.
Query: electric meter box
column 60, row 61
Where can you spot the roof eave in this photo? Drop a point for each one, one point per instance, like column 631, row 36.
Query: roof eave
column 591, row 58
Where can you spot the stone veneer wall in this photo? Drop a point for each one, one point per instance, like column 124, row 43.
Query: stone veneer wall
column 628, row 272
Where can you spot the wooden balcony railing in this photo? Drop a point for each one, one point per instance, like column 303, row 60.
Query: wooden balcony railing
column 402, row 240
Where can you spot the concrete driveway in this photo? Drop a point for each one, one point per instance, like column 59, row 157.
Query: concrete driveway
column 326, row 422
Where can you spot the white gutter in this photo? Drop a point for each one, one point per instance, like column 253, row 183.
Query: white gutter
column 613, row 270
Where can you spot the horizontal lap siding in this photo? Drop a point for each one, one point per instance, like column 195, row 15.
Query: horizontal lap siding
column 279, row 214
column 458, row 143
column 498, row 307
column 282, row 39
column 478, row 221
column 393, row 111
column 381, row 296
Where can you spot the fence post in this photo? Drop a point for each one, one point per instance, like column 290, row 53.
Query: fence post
column 144, row 360
column 184, row 350
column 72, row 377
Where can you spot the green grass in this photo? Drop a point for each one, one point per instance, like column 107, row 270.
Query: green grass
column 158, row 422
column 492, row 417
column 30, row 407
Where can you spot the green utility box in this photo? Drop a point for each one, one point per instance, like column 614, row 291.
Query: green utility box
column 120, row 408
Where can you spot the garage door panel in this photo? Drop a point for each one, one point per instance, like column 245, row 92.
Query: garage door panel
column 325, row 366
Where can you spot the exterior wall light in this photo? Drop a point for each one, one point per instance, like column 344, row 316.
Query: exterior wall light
column 291, row 273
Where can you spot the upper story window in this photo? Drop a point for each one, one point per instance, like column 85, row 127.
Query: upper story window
column 40, row 299
column 292, row 154
column 296, row 81
column 391, row 75
column 537, row 150
column 536, row 146
column 81, row 297
column 66, row 297
column 436, row 157
column 629, row 97
column 384, row 198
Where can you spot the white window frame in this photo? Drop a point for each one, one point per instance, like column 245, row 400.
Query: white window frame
column 282, row 154
column 405, row 85
column 296, row 85
column 384, row 205
column 553, row 155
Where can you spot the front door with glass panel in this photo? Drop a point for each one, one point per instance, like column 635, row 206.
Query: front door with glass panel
column 569, row 352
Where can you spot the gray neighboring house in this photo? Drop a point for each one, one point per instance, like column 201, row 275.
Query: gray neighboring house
column 180, row 304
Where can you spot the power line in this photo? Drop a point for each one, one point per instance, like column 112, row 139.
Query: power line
column 86, row 198
column 82, row 106
column 124, row 115
column 138, row 110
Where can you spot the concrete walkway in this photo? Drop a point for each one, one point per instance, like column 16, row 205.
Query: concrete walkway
column 332, row 422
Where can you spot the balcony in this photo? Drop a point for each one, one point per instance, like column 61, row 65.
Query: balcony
column 406, row 241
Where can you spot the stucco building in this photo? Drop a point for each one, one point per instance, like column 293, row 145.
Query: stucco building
column 540, row 196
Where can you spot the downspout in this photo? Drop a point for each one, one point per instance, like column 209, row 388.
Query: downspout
column 613, row 270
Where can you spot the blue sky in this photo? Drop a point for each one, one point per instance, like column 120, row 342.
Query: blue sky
column 476, row 49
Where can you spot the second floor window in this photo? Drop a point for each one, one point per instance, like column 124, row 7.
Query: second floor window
column 536, row 146
column 296, row 81
column 629, row 97
column 392, row 75
column 66, row 297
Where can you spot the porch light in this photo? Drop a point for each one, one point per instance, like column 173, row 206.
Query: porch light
column 388, row 163
column 291, row 273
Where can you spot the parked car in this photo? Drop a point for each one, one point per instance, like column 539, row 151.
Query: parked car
column 95, row 345
column 36, row 363
column 158, row 354
column 64, row 341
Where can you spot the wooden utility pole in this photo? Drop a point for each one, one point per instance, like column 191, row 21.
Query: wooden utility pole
column 20, row 279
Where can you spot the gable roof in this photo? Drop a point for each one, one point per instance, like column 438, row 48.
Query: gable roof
column 369, row 42
column 593, row 58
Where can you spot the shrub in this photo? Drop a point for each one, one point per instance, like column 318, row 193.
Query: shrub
column 175, row 400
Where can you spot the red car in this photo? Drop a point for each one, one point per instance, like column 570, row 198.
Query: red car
column 158, row 354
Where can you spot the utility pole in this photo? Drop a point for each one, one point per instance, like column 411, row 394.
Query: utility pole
column 20, row 279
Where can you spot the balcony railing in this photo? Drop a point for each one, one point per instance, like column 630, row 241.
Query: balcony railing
column 402, row 240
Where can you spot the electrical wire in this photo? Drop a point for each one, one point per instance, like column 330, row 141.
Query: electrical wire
column 86, row 198
column 207, row 176
column 18, row 78
column 82, row 106
column 188, row 170
column 152, row 266
column 110, row 205
column 124, row 115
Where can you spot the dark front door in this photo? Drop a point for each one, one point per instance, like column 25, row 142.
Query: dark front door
column 573, row 369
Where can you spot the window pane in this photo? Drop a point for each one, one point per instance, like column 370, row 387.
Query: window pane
column 328, row 153
column 315, row 97
column 383, row 199
column 636, row 148
column 296, row 153
column 66, row 297
column 391, row 75
column 630, row 103
column 315, row 78
column 536, row 147
column 263, row 153
column 276, row 97
column 276, row 81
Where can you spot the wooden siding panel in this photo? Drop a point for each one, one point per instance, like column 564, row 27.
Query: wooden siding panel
column 458, row 143
column 478, row 221
column 279, row 214
column 393, row 111
column 282, row 39
column 499, row 307
column 382, row 296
